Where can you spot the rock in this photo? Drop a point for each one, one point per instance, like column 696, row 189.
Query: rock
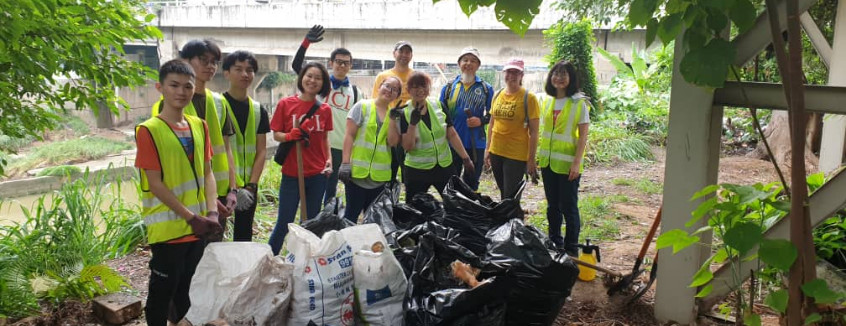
column 117, row 308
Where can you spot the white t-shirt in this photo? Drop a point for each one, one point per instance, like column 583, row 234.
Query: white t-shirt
column 340, row 100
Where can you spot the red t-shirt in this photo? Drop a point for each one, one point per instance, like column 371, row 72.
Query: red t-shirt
column 314, row 156
column 147, row 156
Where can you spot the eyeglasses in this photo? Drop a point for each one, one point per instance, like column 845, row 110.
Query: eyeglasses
column 391, row 88
column 206, row 61
column 343, row 63
column 560, row 75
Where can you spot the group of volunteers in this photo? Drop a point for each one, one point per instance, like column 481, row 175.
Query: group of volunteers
column 202, row 153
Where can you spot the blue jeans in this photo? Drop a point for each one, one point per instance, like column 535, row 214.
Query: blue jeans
column 471, row 180
column 358, row 199
column 289, row 203
column 332, row 182
column 562, row 197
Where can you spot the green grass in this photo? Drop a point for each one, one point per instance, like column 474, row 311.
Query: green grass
column 610, row 143
column 599, row 220
column 59, row 171
column 12, row 145
column 58, row 252
column 66, row 152
column 622, row 182
column 75, row 123
column 647, row 186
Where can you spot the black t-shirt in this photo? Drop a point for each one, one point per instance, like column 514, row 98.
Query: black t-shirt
column 426, row 120
column 242, row 111
column 199, row 101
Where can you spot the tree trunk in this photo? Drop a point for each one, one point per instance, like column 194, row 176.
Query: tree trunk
column 778, row 135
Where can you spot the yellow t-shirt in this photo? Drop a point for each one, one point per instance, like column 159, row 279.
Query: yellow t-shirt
column 509, row 137
column 392, row 72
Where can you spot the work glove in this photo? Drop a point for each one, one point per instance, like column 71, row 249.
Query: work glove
column 396, row 113
column 345, row 172
column 415, row 117
column 231, row 200
column 216, row 235
column 296, row 134
column 315, row 34
column 202, row 226
column 222, row 209
column 469, row 168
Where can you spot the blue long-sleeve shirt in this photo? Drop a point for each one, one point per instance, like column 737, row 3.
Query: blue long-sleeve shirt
column 477, row 98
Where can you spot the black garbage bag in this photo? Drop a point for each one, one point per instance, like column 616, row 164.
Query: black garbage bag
column 405, row 243
column 406, row 217
column 432, row 209
column 474, row 214
column 538, row 280
column 330, row 218
column 435, row 297
column 381, row 212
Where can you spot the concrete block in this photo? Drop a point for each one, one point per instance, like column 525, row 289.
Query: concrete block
column 117, row 308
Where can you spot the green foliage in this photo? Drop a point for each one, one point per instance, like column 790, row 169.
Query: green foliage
column 638, row 97
column 57, row 253
column 739, row 215
column 599, row 220
column 46, row 42
column 609, row 143
column 68, row 151
column 59, row 171
column 707, row 55
column 276, row 78
column 517, row 15
column 12, row 144
column 602, row 11
column 574, row 42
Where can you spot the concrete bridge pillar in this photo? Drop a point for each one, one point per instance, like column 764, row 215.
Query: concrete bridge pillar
column 834, row 126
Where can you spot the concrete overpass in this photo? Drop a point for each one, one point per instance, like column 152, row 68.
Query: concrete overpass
column 369, row 28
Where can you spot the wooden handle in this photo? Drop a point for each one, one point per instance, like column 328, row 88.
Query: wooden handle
column 592, row 266
column 301, row 177
column 651, row 233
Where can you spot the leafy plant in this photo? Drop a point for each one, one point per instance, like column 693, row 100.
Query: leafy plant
column 58, row 251
column 574, row 42
column 609, row 143
column 66, row 52
column 59, row 171
column 738, row 217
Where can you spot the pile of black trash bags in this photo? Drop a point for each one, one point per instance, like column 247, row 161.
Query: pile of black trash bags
column 525, row 281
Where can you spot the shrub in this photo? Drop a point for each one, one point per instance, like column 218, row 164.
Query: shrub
column 57, row 253
column 609, row 143
column 574, row 42
column 68, row 151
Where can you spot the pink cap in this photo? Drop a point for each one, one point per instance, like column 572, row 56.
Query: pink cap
column 513, row 63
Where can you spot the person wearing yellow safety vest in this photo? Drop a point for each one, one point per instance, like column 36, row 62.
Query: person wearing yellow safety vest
column 251, row 127
column 366, row 158
column 204, row 57
column 177, row 193
column 563, row 137
column 428, row 160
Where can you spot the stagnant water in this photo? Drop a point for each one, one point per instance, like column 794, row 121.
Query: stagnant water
column 11, row 208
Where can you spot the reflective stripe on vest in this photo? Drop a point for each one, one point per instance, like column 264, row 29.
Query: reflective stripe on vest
column 371, row 155
column 216, row 108
column 185, row 180
column 559, row 137
column 244, row 143
column 431, row 146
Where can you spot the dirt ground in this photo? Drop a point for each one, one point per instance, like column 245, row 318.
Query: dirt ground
column 588, row 304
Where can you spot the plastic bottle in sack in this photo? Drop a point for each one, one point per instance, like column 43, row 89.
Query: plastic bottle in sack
column 587, row 274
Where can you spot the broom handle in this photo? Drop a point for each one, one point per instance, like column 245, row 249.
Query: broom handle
column 651, row 234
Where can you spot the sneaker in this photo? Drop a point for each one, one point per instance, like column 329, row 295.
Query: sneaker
column 558, row 242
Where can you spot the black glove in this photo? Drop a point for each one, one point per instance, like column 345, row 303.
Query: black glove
column 469, row 168
column 396, row 113
column 202, row 226
column 315, row 34
column 345, row 172
column 415, row 117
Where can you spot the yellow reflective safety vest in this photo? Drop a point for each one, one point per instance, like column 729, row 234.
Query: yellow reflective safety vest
column 184, row 179
column 371, row 155
column 216, row 108
column 244, row 148
column 432, row 146
column 559, row 137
